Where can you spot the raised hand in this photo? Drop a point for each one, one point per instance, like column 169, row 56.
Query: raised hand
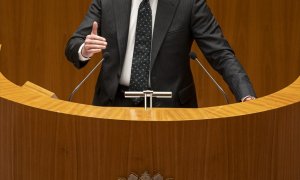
column 93, row 43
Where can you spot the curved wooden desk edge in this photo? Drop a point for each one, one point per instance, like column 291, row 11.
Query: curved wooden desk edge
column 285, row 97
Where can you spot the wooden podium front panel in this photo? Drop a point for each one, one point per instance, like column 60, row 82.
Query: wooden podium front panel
column 44, row 138
column 39, row 144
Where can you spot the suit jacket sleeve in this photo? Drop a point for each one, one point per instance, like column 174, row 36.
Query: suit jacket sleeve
column 85, row 28
column 209, row 37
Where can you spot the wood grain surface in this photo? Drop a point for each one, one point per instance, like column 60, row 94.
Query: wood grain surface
column 264, row 34
column 46, row 138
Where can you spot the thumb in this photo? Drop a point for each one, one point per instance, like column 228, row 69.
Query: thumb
column 95, row 28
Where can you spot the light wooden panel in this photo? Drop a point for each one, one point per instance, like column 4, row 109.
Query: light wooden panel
column 264, row 34
column 285, row 97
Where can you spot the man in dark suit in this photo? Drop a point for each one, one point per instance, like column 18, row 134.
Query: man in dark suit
column 149, row 43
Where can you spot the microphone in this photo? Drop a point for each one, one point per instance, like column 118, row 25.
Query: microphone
column 193, row 56
column 105, row 56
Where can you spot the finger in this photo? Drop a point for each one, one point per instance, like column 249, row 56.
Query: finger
column 95, row 28
column 95, row 37
column 95, row 42
column 94, row 46
column 94, row 51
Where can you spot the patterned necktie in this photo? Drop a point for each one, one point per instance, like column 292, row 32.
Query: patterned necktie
column 142, row 49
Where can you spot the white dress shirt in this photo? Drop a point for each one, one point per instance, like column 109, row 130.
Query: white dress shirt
column 126, row 71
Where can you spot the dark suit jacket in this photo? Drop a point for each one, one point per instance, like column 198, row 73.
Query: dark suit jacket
column 177, row 24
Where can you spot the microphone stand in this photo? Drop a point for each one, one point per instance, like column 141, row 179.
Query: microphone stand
column 194, row 57
column 83, row 81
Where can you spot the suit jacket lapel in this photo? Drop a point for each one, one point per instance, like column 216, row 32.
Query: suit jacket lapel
column 164, row 16
column 122, row 10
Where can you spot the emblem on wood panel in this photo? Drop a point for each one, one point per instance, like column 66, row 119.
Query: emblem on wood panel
column 145, row 176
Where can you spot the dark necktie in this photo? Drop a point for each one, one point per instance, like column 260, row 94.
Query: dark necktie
column 139, row 79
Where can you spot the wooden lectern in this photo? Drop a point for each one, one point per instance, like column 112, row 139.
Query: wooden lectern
column 42, row 138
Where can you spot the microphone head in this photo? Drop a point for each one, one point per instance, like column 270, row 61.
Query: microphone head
column 193, row 55
column 106, row 55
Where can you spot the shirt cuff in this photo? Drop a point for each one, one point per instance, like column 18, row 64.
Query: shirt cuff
column 81, row 57
column 244, row 98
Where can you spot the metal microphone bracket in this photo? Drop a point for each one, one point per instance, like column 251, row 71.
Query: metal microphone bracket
column 147, row 94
